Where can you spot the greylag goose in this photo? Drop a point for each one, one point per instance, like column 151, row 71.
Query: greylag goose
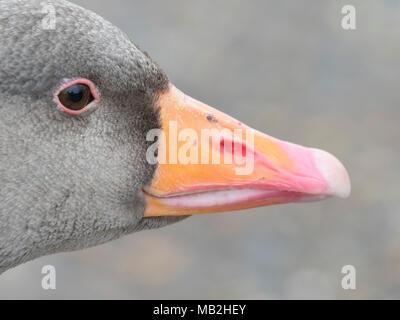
column 96, row 143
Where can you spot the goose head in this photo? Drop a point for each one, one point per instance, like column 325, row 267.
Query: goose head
column 96, row 143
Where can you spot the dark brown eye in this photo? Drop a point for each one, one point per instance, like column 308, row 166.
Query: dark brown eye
column 76, row 97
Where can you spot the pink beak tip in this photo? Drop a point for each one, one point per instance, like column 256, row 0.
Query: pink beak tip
column 334, row 173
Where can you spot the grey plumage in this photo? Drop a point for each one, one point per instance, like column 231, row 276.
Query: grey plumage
column 70, row 182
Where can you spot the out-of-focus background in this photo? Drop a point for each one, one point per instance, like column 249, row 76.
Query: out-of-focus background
column 286, row 68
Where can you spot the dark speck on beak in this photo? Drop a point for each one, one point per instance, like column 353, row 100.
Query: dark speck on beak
column 211, row 118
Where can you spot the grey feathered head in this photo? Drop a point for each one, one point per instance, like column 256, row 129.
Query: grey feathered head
column 69, row 182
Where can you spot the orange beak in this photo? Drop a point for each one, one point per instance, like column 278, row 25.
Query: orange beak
column 210, row 162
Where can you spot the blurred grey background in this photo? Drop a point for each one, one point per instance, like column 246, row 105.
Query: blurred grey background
column 286, row 68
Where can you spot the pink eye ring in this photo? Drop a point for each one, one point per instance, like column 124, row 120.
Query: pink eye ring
column 77, row 96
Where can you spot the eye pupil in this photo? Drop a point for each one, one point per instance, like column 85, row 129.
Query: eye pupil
column 75, row 92
column 76, row 97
